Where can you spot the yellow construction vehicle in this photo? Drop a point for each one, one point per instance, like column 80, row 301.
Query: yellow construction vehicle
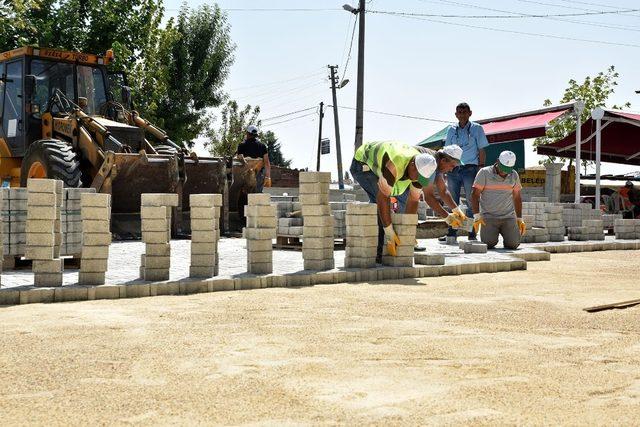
column 60, row 119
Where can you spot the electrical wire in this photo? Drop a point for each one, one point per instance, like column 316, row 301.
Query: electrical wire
column 298, row 77
column 514, row 16
column 346, row 40
column 288, row 114
column 501, row 30
column 353, row 33
column 292, row 119
column 405, row 116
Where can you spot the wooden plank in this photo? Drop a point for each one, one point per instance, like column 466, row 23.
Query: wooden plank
column 615, row 305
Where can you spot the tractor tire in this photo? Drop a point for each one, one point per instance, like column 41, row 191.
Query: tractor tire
column 167, row 150
column 51, row 159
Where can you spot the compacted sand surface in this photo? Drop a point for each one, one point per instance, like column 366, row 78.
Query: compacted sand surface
column 503, row 348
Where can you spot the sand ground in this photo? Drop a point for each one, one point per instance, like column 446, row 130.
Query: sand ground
column 506, row 348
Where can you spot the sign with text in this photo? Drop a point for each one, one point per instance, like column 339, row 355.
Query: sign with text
column 325, row 146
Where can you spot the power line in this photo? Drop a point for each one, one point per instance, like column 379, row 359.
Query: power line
column 275, row 82
column 405, row 116
column 291, row 119
column 549, row 36
column 257, row 9
column 289, row 114
column 353, row 33
column 514, row 16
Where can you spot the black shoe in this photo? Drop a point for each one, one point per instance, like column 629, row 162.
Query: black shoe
column 473, row 237
column 442, row 239
column 378, row 259
column 418, row 248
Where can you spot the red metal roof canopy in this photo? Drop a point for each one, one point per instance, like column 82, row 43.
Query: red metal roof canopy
column 620, row 140
column 520, row 127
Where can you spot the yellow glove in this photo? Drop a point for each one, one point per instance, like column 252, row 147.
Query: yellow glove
column 522, row 227
column 391, row 239
column 478, row 221
column 267, row 182
column 453, row 221
column 457, row 212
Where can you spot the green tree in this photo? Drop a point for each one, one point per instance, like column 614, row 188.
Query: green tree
column 275, row 150
column 594, row 92
column 233, row 123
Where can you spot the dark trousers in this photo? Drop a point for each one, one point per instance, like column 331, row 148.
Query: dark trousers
column 462, row 176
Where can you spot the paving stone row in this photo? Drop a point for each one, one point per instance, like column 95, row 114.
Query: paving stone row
column 259, row 232
column 362, row 235
column 155, row 214
column 96, row 238
column 317, row 234
column 627, row 228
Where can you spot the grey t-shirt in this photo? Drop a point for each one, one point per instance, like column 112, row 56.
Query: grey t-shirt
column 496, row 200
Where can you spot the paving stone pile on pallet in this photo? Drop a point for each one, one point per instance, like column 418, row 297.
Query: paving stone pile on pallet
column 14, row 220
column 72, row 220
column 44, row 205
column 259, row 232
column 627, row 228
column 533, row 234
column 536, row 209
column 205, row 234
column 317, row 234
column 339, row 223
column 574, row 213
column 405, row 226
column 289, row 227
column 361, row 235
column 155, row 214
column 96, row 237
column 554, row 224
column 591, row 229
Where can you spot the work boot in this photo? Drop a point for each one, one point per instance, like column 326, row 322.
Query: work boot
column 418, row 248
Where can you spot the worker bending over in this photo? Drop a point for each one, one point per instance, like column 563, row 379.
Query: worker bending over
column 497, row 203
column 389, row 169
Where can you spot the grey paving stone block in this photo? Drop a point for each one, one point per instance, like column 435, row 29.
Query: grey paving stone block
column 362, row 231
column 259, row 245
column 162, row 225
column 47, row 279
column 167, row 288
column 204, row 259
column 201, row 271
column 205, row 224
column 93, row 265
column 429, row 259
column 260, row 268
column 155, row 262
column 39, row 252
column 159, row 199
column 262, row 222
column 205, row 237
column 317, row 254
column 295, row 231
column 259, row 233
column 361, row 220
column 35, row 296
column 401, row 251
column 313, row 177
column 91, row 278
column 290, row 222
column 309, row 232
column 315, row 210
column 362, row 209
column 318, row 221
column 397, row 261
column 314, row 188
column 428, row 271
column 156, row 237
column 259, row 257
column 42, row 212
column 155, row 274
column 205, row 200
column 9, row 297
column 189, row 287
column 326, row 264
column 96, row 239
column 314, row 199
column 155, row 212
column 357, row 241
column 260, row 211
column 47, row 266
column 138, row 290
column 361, row 252
column 204, row 248
column 95, row 252
column 41, row 239
column 41, row 199
column 201, row 212
column 404, row 219
column 95, row 226
column 360, row 262
column 405, row 230
column 101, row 214
column 158, row 249
column 40, row 185
column 255, row 199
column 475, row 248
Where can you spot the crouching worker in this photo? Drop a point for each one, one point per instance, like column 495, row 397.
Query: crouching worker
column 388, row 169
column 497, row 204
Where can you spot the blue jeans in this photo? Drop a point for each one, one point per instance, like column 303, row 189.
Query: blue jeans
column 260, row 180
column 456, row 179
column 369, row 183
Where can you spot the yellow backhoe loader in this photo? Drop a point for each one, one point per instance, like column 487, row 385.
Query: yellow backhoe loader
column 59, row 119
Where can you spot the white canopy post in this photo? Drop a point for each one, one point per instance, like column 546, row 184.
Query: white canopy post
column 578, row 108
column 597, row 114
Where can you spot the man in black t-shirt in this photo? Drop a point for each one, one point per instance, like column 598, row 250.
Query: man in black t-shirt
column 252, row 147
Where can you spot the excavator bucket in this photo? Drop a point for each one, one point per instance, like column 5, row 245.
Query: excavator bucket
column 128, row 175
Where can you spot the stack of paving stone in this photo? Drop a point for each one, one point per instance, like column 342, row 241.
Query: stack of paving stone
column 361, row 235
column 422, row 210
column 594, row 228
column 14, row 217
column 259, row 232
column 317, row 233
column 289, row 226
column 44, row 202
column 205, row 233
column 528, row 235
column 627, row 228
column 608, row 220
column 405, row 227
column 155, row 213
column 72, row 220
column 537, row 210
column 554, row 224
column 574, row 213
column 96, row 237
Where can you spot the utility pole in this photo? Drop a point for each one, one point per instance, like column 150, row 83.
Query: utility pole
column 360, row 87
column 336, row 124
column 320, row 135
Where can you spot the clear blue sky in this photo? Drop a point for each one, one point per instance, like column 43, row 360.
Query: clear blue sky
column 418, row 67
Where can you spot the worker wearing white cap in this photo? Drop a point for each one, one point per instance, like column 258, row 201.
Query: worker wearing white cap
column 252, row 147
column 386, row 169
column 497, row 203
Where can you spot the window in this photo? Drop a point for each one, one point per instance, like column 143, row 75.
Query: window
column 49, row 77
column 12, row 107
column 91, row 86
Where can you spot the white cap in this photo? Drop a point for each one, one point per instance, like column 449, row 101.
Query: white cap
column 252, row 129
column 507, row 160
column 453, row 151
column 426, row 165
